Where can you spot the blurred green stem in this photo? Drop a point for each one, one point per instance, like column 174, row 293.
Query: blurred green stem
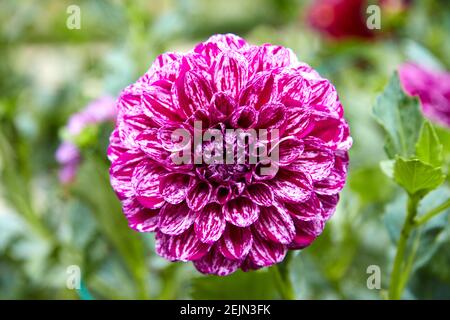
column 283, row 279
column 398, row 282
column 432, row 213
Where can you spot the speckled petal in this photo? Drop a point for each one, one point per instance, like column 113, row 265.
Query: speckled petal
column 210, row 223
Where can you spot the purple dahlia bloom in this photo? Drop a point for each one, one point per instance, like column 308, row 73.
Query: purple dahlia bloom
column 432, row 88
column 68, row 155
column 229, row 216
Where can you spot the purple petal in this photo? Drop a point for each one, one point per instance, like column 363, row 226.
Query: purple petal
column 210, row 223
column 221, row 107
column 292, row 186
column 275, row 224
column 317, row 159
column 194, row 91
column 272, row 115
column 291, row 88
column 289, row 149
column 236, row 242
column 241, row 212
column 299, row 122
column 215, row 263
column 150, row 144
column 183, row 247
column 323, row 93
column 131, row 119
column 223, row 194
column 333, row 184
column 121, row 172
column 336, row 180
column 268, row 57
column 310, row 209
column 265, row 253
column 166, row 66
column 175, row 219
column 158, row 104
column 173, row 187
column 145, row 181
column 220, row 43
column 306, row 233
column 328, row 126
column 260, row 193
column 139, row 218
column 257, row 91
column 244, row 118
column 329, row 203
column 198, row 195
column 230, row 73
column 115, row 148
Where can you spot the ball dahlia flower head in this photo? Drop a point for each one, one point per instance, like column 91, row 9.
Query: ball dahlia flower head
column 224, row 216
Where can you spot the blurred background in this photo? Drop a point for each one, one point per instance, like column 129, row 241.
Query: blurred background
column 48, row 72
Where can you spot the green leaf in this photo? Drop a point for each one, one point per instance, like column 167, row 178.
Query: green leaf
column 240, row 285
column 428, row 147
column 416, row 177
column 400, row 117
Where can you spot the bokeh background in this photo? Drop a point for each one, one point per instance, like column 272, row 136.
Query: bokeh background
column 48, row 72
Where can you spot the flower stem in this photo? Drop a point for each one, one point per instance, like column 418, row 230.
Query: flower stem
column 283, row 279
column 432, row 213
column 397, row 285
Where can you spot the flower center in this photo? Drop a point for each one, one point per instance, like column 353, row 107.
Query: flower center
column 224, row 173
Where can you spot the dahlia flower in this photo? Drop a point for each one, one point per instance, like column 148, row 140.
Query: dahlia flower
column 225, row 216
column 68, row 155
column 432, row 88
column 340, row 19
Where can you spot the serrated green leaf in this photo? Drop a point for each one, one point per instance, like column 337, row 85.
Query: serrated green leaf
column 400, row 117
column 428, row 147
column 417, row 177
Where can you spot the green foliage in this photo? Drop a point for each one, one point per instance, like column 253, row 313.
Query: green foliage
column 416, row 177
column 400, row 117
column 431, row 236
column 240, row 285
column 416, row 157
column 428, row 147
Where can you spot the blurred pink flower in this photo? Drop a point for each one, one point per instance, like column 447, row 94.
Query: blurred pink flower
column 432, row 88
column 340, row 19
column 98, row 111
column 68, row 154
column 229, row 216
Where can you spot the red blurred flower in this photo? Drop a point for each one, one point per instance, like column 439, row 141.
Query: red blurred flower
column 340, row 19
